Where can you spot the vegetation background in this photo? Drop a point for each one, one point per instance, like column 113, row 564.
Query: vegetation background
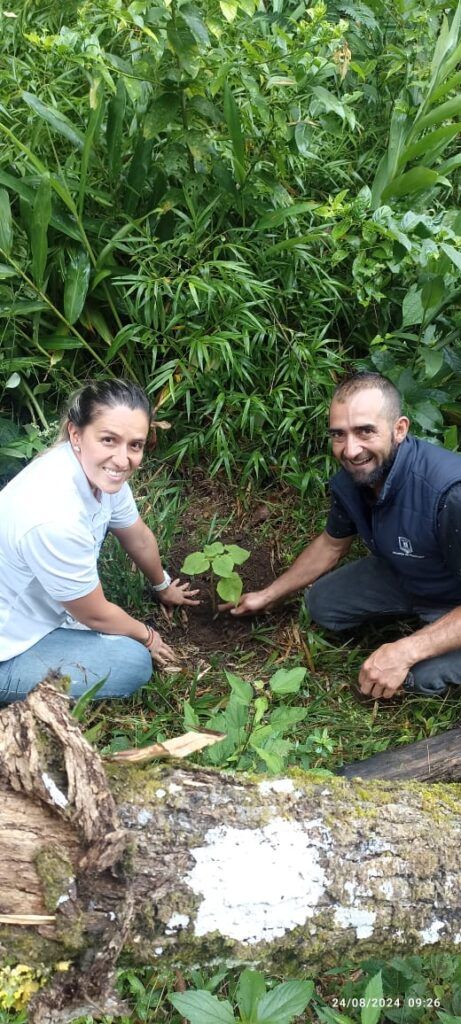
column 233, row 202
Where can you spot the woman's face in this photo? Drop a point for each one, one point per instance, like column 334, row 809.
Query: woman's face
column 111, row 447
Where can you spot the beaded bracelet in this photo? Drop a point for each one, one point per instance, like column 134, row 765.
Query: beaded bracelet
column 150, row 636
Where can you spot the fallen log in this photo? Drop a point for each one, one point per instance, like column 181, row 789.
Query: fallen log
column 436, row 759
column 198, row 867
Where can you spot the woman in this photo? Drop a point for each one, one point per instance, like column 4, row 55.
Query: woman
column 54, row 516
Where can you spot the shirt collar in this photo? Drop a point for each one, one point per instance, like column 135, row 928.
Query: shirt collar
column 81, row 480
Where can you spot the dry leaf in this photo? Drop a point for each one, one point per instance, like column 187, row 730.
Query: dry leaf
column 179, row 746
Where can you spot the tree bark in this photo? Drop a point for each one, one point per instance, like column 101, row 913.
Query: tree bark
column 437, row 759
column 288, row 873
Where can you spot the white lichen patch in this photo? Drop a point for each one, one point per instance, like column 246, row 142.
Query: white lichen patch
column 176, row 922
column 457, row 939
column 57, row 797
column 431, row 934
column 387, row 889
column 144, row 817
column 160, row 793
column 256, row 884
column 356, row 917
column 276, row 786
column 158, row 950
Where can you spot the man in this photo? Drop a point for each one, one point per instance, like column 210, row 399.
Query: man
column 402, row 496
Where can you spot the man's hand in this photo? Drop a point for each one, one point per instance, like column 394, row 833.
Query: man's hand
column 384, row 672
column 249, row 604
column 178, row 593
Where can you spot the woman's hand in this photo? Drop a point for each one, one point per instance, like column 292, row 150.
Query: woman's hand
column 178, row 593
column 162, row 655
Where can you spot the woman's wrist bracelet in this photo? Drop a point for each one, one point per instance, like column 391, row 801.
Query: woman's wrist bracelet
column 150, row 636
column 158, row 587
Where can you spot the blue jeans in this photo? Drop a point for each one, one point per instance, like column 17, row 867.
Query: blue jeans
column 370, row 589
column 83, row 655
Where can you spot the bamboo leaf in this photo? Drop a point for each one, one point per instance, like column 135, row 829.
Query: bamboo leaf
column 76, row 285
column 41, row 215
column 6, row 223
column 232, row 116
column 59, row 122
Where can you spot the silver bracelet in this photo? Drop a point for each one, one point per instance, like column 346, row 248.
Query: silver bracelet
column 158, row 587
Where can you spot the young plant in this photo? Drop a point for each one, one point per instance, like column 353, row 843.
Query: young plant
column 221, row 559
column 282, row 1003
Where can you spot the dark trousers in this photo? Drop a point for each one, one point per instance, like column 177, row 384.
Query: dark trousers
column 370, row 589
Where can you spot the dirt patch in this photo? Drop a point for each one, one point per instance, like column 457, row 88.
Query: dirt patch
column 210, row 504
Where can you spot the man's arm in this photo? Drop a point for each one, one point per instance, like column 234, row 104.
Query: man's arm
column 384, row 672
column 140, row 544
column 319, row 557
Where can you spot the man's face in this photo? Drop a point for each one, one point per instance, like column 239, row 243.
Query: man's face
column 364, row 438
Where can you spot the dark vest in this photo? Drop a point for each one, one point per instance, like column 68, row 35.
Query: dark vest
column 402, row 525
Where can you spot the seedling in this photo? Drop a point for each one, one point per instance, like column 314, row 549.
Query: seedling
column 221, row 559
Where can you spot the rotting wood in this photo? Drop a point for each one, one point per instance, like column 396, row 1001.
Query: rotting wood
column 277, row 872
column 436, row 759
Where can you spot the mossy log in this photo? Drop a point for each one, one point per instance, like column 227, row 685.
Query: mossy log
column 291, row 874
column 436, row 759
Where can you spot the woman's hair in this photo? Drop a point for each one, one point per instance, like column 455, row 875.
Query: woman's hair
column 85, row 404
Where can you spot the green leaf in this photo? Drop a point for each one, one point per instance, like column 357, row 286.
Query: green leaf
column 274, row 764
column 202, row 1008
column 433, row 361
column 232, row 116
column 55, row 119
column 276, row 217
column 441, row 113
column 193, row 19
column 6, row 224
column 61, row 222
column 250, row 989
column 328, row 101
column 287, row 680
column 412, row 308
column 223, row 565
column 229, row 9
column 373, row 994
column 328, row 1016
column 210, row 550
column 195, row 563
column 284, row 1002
column 114, row 130
column 285, row 718
column 242, row 690
column 96, row 97
column 417, row 180
column 41, row 215
column 239, row 555
column 453, row 254
column 76, row 285
column 230, row 588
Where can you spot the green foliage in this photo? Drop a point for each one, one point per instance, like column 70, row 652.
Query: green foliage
column 280, row 1005
column 220, row 559
column 192, row 196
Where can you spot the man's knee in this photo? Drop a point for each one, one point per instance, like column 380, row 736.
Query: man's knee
column 318, row 599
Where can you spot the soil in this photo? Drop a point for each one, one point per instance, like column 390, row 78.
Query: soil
column 203, row 631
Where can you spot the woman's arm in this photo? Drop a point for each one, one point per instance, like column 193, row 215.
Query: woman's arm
column 140, row 544
column 103, row 616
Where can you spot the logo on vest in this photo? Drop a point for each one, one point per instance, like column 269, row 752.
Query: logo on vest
column 406, row 549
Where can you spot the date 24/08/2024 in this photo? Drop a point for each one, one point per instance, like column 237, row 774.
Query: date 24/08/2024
column 382, row 1002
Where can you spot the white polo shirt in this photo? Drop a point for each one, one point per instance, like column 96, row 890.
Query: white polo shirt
column 51, row 531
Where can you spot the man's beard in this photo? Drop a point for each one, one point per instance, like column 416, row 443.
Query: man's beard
column 380, row 472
